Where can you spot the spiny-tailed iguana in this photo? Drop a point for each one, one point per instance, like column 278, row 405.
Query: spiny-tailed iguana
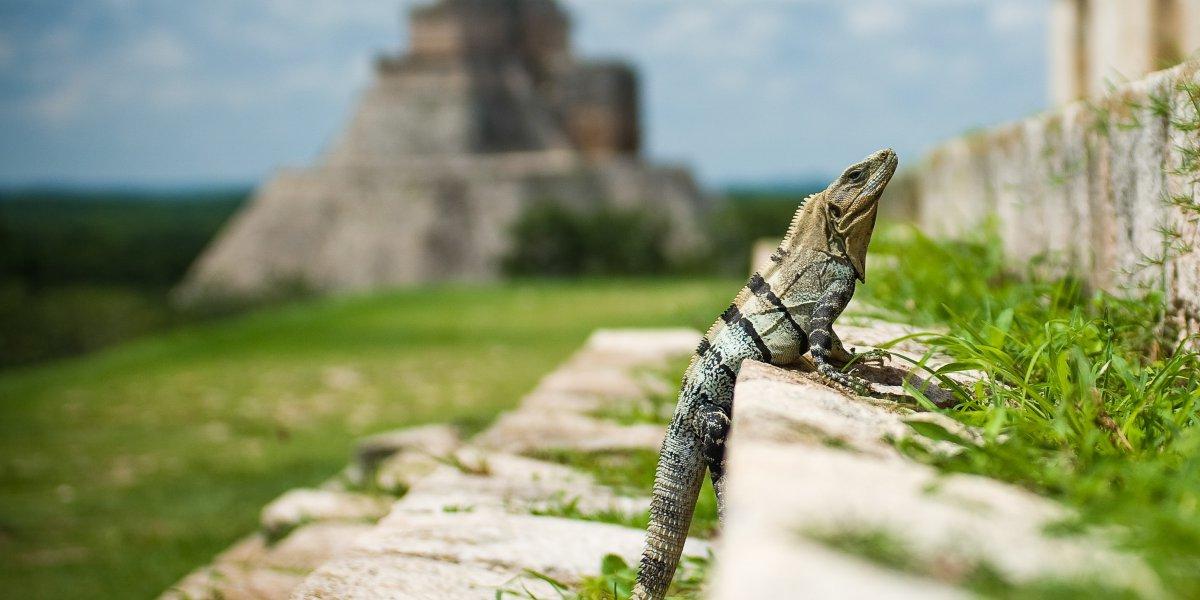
column 783, row 312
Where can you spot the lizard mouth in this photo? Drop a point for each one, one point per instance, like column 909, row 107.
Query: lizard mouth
column 883, row 173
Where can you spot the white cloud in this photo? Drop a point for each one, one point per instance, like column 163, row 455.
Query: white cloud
column 876, row 18
column 333, row 15
column 158, row 50
column 62, row 104
column 61, row 40
column 1014, row 15
column 911, row 60
column 717, row 33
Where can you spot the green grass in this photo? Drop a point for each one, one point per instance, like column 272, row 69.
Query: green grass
column 1081, row 403
column 84, row 270
column 628, row 472
column 657, row 406
column 615, row 581
column 123, row 470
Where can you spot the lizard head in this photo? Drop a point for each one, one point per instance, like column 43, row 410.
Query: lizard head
column 852, row 202
column 840, row 219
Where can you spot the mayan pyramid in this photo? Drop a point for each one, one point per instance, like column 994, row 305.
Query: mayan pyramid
column 487, row 112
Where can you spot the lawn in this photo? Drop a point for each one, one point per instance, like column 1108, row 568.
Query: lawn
column 123, row 470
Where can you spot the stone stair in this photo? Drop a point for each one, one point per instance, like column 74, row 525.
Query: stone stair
column 422, row 514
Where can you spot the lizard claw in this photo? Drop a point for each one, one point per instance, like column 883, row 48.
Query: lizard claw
column 874, row 356
column 842, row 382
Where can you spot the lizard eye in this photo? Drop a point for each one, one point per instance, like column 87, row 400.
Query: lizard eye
column 856, row 175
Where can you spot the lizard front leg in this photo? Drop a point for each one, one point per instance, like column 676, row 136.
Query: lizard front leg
column 821, row 337
column 714, row 428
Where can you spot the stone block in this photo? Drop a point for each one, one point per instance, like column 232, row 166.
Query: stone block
column 448, row 556
column 525, row 431
column 789, row 488
column 506, row 483
column 956, row 170
column 256, row 570
column 1182, row 191
column 642, row 344
column 300, row 506
column 1075, row 177
column 228, row 582
column 432, row 440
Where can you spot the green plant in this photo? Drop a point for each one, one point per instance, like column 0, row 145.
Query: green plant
column 550, row 239
column 656, row 406
column 615, row 581
column 632, row 472
column 1079, row 401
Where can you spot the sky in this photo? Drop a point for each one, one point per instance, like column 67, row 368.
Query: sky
column 164, row 92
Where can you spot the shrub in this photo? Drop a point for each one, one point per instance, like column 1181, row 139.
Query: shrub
column 550, row 239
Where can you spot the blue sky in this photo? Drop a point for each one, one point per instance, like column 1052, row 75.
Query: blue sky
column 167, row 92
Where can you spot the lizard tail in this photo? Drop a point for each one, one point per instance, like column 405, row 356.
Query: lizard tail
column 676, row 486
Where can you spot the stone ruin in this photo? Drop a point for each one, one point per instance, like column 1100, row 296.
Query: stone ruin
column 487, row 113
column 1096, row 43
column 423, row 513
column 1106, row 189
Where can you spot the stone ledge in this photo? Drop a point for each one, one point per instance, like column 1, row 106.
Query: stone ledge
column 467, row 556
column 463, row 530
column 806, row 461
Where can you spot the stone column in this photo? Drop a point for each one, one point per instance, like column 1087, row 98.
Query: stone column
column 1121, row 44
column 1068, row 51
column 1189, row 13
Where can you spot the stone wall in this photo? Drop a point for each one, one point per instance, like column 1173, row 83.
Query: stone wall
column 404, row 222
column 1108, row 189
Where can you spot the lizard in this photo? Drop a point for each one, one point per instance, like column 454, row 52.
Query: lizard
column 783, row 312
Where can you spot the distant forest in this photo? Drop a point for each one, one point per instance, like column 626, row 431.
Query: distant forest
column 141, row 239
column 80, row 270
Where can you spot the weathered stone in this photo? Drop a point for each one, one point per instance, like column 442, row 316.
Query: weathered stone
column 636, row 347
column 1095, row 43
column 311, row 545
column 593, row 381
column 788, row 486
column 759, row 563
column 435, row 440
column 951, row 172
column 525, row 431
column 481, row 120
column 229, row 582
column 1096, row 183
column 801, row 410
column 1075, row 177
column 254, row 569
column 464, row 555
column 301, row 506
column 401, row 471
column 507, row 483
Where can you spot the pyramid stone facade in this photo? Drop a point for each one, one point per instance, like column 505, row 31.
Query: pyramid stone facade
column 486, row 113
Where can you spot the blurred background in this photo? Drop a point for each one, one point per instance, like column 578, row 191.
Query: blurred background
column 235, row 234
column 135, row 130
